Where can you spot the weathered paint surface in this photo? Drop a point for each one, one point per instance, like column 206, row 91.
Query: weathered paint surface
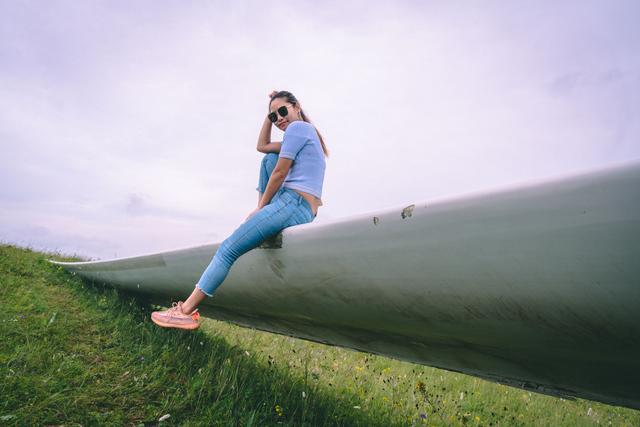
column 536, row 286
column 407, row 212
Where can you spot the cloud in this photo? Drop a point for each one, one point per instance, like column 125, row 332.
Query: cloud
column 139, row 205
column 567, row 83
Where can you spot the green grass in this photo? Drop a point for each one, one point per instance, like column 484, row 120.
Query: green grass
column 77, row 354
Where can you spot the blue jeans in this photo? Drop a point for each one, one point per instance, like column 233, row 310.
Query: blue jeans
column 286, row 208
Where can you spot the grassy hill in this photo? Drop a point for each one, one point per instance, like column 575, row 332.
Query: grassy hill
column 76, row 354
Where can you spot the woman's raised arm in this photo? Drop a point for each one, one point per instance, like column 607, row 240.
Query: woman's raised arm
column 264, row 145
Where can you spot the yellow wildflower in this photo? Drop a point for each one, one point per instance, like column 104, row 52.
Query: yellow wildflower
column 279, row 410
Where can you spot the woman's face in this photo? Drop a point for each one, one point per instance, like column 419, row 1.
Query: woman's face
column 292, row 113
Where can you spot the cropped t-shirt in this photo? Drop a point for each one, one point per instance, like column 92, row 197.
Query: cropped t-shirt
column 302, row 145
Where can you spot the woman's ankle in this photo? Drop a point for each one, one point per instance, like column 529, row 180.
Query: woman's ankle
column 183, row 309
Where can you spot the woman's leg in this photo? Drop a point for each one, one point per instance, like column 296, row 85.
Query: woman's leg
column 266, row 167
column 194, row 299
column 287, row 210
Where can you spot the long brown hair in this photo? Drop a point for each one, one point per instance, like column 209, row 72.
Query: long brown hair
column 292, row 100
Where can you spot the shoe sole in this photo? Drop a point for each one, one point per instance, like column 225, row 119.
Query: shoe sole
column 173, row 325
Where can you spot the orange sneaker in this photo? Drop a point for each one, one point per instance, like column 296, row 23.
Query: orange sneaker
column 175, row 318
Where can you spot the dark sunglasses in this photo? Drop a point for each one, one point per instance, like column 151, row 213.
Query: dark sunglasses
column 282, row 111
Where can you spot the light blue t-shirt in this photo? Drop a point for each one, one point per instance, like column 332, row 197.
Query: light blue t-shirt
column 302, row 144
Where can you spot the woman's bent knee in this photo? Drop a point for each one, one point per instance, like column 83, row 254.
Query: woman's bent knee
column 270, row 159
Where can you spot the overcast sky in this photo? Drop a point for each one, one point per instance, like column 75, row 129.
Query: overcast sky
column 129, row 127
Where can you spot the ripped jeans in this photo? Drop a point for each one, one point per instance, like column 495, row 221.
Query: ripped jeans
column 287, row 208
